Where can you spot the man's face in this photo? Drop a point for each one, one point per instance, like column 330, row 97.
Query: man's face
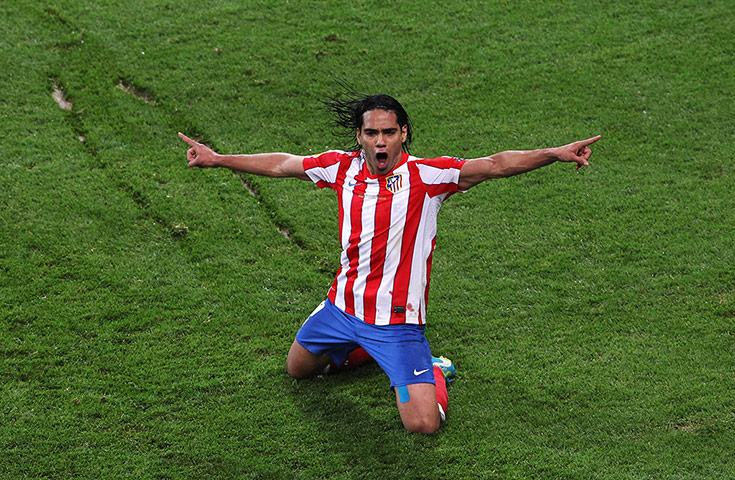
column 382, row 139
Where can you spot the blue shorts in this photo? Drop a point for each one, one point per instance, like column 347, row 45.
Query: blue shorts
column 402, row 351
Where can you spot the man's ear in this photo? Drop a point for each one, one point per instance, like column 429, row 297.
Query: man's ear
column 404, row 133
column 357, row 136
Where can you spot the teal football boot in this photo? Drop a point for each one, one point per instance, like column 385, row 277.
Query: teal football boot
column 447, row 367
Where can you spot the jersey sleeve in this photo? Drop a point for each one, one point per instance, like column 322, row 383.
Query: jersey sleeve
column 322, row 169
column 441, row 175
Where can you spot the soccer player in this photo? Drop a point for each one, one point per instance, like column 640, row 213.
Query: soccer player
column 388, row 206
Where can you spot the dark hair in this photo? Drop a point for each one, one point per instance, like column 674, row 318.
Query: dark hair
column 349, row 108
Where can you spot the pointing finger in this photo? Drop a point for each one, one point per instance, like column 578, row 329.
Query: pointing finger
column 188, row 140
column 590, row 141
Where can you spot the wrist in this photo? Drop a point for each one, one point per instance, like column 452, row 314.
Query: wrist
column 555, row 154
column 218, row 160
column 550, row 154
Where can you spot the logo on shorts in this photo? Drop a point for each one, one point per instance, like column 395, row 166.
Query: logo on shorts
column 419, row 372
column 394, row 183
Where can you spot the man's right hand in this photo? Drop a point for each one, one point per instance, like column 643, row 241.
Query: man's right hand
column 199, row 155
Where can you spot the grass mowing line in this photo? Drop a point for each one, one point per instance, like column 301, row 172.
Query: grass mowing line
column 263, row 204
column 58, row 92
column 75, row 121
column 55, row 15
column 126, row 85
column 282, row 229
column 59, row 96
column 135, row 91
column 129, row 87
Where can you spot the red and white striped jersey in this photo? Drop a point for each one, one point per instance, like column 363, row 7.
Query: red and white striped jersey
column 387, row 228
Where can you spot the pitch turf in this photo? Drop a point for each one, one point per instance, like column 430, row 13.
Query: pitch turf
column 146, row 309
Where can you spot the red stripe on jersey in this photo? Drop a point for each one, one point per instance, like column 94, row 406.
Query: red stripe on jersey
column 377, row 254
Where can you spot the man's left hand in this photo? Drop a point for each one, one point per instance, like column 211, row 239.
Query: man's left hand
column 578, row 152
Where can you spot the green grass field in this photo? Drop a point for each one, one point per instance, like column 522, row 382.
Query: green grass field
column 146, row 309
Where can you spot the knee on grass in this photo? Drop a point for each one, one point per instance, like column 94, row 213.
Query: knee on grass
column 297, row 370
column 422, row 424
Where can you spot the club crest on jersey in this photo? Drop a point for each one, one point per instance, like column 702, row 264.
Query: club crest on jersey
column 394, row 183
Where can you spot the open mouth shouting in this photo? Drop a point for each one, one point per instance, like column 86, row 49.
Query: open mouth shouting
column 382, row 159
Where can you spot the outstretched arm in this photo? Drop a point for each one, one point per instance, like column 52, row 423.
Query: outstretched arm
column 266, row 164
column 509, row 163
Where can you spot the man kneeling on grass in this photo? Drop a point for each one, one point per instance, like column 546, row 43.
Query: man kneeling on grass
column 388, row 206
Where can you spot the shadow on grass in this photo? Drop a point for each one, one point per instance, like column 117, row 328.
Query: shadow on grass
column 354, row 413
